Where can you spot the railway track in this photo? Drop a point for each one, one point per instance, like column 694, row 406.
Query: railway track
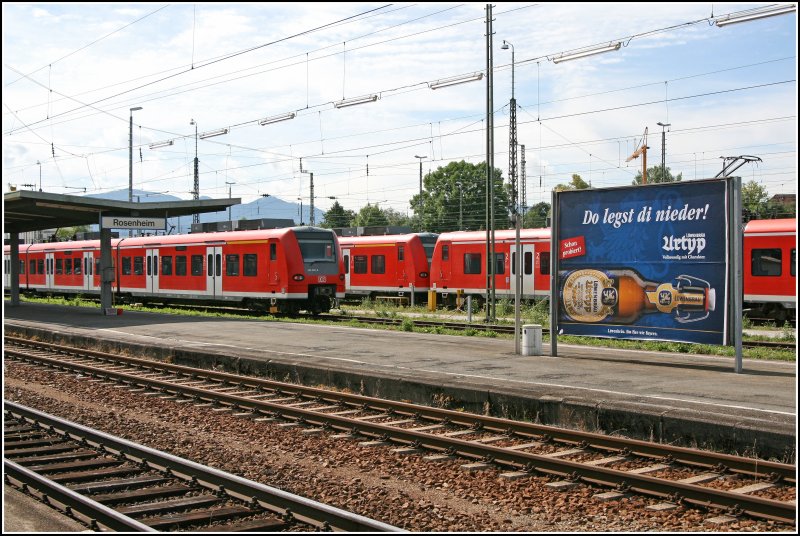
column 105, row 481
column 731, row 484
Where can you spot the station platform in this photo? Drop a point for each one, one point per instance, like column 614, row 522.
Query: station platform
column 684, row 399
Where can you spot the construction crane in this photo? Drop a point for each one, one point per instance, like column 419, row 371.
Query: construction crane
column 641, row 150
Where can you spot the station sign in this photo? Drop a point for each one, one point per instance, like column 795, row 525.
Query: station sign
column 644, row 262
column 133, row 222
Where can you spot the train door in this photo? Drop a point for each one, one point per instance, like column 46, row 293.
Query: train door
column 400, row 274
column 49, row 265
column 527, row 269
column 151, row 270
column 273, row 267
column 88, row 270
column 346, row 261
column 214, row 271
column 445, row 273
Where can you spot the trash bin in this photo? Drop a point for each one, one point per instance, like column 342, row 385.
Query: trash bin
column 532, row 339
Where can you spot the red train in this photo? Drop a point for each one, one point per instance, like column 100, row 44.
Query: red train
column 279, row 270
column 394, row 265
column 770, row 268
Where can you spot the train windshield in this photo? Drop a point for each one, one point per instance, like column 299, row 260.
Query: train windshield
column 317, row 247
column 429, row 243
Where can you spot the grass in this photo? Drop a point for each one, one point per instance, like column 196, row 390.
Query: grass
column 537, row 313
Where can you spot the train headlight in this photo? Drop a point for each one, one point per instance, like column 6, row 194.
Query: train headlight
column 298, row 277
column 423, row 275
column 341, row 277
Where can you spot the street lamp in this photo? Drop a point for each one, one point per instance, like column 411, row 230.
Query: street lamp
column 460, row 206
column 663, row 150
column 196, row 190
column 230, row 188
column 40, row 175
column 420, row 185
column 130, row 157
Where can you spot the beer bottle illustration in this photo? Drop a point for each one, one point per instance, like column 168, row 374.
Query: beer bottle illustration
column 623, row 296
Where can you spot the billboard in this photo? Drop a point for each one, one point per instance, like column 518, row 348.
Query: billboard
column 644, row 262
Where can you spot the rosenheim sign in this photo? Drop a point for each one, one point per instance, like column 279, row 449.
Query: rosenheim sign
column 129, row 222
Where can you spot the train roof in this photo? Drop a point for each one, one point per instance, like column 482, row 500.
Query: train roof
column 502, row 234
column 194, row 238
column 381, row 239
column 787, row 225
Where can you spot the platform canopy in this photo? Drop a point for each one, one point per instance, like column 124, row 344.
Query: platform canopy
column 26, row 210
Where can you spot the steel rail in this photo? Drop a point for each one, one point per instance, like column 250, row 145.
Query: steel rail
column 273, row 499
column 695, row 494
column 707, row 459
column 78, row 503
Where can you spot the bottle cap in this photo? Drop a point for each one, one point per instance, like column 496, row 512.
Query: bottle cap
column 711, row 298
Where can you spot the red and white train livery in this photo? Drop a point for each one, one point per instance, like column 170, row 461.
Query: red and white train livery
column 770, row 267
column 281, row 270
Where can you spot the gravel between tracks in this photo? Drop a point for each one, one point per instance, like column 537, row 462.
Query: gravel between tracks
column 401, row 490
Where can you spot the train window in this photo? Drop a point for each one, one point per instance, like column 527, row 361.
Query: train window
column 445, row 252
column 155, row 265
column 544, row 263
column 40, row 266
column 210, row 265
column 166, row 265
column 378, row 264
column 126, row 266
column 472, row 262
column 76, row 262
column 250, row 265
column 273, row 252
column 499, row 263
column 197, row 265
column 347, row 264
column 149, row 265
column 22, row 267
column 33, row 266
column 97, row 266
column 528, row 259
column 180, row 264
column 138, row 265
column 218, row 264
column 513, row 263
column 67, row 266
column 793, row 263
column 401, row 253
column 766, row 262
column 359, row 264
column 231, row 264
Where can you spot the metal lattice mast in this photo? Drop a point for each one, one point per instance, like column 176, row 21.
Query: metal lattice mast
column 523, row 182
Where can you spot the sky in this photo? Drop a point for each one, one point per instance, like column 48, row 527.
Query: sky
column 72, row 72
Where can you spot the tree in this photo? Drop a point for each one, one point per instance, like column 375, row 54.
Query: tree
column 370, row 215
column 456, row 192
column 70, row 233
column 396, row 218
column 537, row 215
column 754, row 200
column 337, row 216
column 655, row 175
column 577, row 183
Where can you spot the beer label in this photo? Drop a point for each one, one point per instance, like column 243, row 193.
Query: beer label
column 666, row 298
column 589, row 296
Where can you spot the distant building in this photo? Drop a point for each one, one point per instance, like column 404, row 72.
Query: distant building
column 242, row 225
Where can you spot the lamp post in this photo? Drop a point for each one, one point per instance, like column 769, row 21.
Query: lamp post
column 460, row 206
column 663, row 150
column 196, row 190
column 420, row 185
column 311, row 188
column 130, row 157
column 512, row 172
column 230, row 188
column 40, row 175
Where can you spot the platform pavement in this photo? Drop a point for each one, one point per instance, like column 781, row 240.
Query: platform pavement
column 684, row 398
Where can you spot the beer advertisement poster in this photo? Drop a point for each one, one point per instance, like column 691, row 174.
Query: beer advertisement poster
column 644, row 262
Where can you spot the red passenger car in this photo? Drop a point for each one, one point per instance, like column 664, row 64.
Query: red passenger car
column 389, row 265
column 770, row 268
column 282, row 270
column 459, row 264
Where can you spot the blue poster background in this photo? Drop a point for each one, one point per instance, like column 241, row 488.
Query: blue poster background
column 667, row 233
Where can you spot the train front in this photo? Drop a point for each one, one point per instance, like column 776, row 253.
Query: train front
column 322, row 268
